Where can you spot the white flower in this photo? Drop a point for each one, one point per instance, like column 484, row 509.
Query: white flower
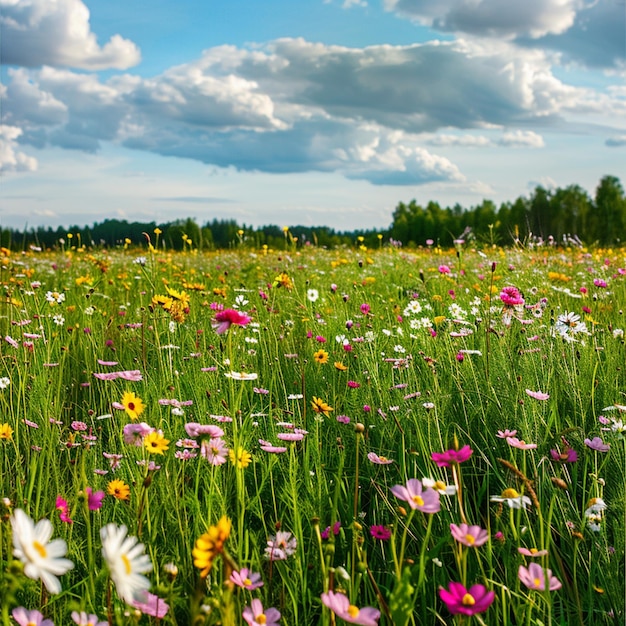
column 41, row 557
column 312, row 295
column 242, row 375
column 569, row 324
column 4, row 382
column 126, row 561
column 59, row 320
column 513, row 499
column 412, row 308
column 54, row 297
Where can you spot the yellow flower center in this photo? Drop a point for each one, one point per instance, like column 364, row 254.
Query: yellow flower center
column 247, row 581
column 510, row 493
column 470, row 539
column 40, row 549
column 383, row 458
column 418, row 500
column 533, row 551
column 31, row 624
column 126, row 562
column 468, row 600
column 353, row 611
column 439, row 485
column 537, row 582
column 261, row 619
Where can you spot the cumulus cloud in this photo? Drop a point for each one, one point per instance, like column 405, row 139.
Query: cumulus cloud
column 11, row 159
column 58, row 33
column 466, row 141
column 521, row 139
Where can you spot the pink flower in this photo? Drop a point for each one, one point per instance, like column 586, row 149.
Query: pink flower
column 597, row 444
column 30, row 618
column 94, row 498
column 533, row 552
column 226, row 318
column 365, row 308
column 534, row 577
column 444, row 269
column 568, row 455
column 538, row 395
column 511, row 296
column 460, row 600
column 196, row 430
column 445, row 459
column 514, row 442
column 246, row 579
column 503, row 434
column 151, row 605
column 382, row 533
column 255, row 616
column 353, row 384
column 64, row 510
column 281, row 546
column 214, row 451
column 471, row 536
column 378, row 460
column 134, row 433
column 339, row 604
column 268, row 446
column 85, row 619
column 426, row 501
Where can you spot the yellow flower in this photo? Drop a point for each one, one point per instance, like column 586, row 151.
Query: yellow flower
column 319, row 406
column 118, row 489
column 321, row 357
column 210, row 544
column 133, row 405
column 283, row 280
column 155, row 442
column 340, row 366
column 157, row 231
column 5, row 431
column 241, row 458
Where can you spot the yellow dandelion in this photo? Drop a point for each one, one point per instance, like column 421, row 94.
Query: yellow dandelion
column 319, row 406
column 240, row 458
column 6, row 431
column 209, row 545
column 133, row 405
column 155, row 442
column 118, row 489
column 321, row 357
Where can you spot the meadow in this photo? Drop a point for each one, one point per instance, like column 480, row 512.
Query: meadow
column 312, row 436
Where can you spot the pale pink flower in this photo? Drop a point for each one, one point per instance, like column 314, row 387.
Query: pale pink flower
column 246, row 579
column 425, row 500
column 149, row 604
column 378, row 460
column 256, row 615
column 214, row 451
column 514, row 442
column 471, row 536
column 532, row 552
column 538, row 395
column 339, row 604
column 534, row 577
column 503, row 434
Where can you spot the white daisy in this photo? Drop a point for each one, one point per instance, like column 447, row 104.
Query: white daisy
column 41, row 557
column 126, row 561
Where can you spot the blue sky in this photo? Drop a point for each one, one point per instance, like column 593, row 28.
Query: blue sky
column 315, row 112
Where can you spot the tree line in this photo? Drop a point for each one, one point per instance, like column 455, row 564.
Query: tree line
column 559, row 215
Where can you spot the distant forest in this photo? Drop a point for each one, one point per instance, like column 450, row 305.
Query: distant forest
column 562, row 216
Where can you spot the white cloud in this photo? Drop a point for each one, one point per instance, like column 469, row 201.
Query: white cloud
column 521, row 139
column 58, row 33
column 467, row 141
column 11, row 159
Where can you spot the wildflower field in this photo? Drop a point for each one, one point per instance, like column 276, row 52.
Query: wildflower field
column 311, row 436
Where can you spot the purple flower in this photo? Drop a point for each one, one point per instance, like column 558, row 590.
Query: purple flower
column 534, row 577
column 460, row 600
column 597, row 444
column 339, row 604
column 471, row 536
column 445, row 459
column 567, row 455
column 382, row 533
column 246, row 579
column 94, row 498
column 426, row 501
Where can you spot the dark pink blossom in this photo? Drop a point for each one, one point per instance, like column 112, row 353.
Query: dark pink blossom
column 460, row 600
column 226, row 318
column 445, row 459
column 94, row 498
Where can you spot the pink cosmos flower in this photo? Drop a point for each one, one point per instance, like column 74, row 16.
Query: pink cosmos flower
column 30, row 618
column 64, row 510
column 134, row 433
column 567, row 455
column 533, row 552
column 226, row 318
column 503, row 434
column 538, row 395
column 255, row 615
column 426, row 500
column 511, row 296
column 214, row 451
column 94, row 499
column 246, row 579
column 445, row 459
column 534, row 577
column 197, row 430
column 131, row 375
column 281, row 546
column 378, row 460
column 514, row 442
column 597, row 444
column 460, row 600
column 471, row 536
column 85, row 619
column 339, row 604
column 149, row 604
column 268, row 446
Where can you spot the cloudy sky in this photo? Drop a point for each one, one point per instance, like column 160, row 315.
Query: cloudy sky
column 315, row 112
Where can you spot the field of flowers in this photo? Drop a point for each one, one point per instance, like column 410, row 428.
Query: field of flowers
column 310, row 436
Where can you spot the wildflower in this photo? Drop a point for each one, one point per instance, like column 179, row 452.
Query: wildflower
column 64, row 510
column 210, row 544
column 312, row 295
column 511, row 297
column 246, row 579
column 84, row 619
column 445, row 459
column 460, row 600
column 126, row 561
column 340, row 366
column 503, row 434
column 595, row 444
column 532, row 552
column 567, row 455
column 514, row 442
column 335, row 528
column 365, row 308
column 134, row 434
column 534, row 577
column 240, row 458
column 321, row 357
column 283, row 280
column 471, row 536
column 155, row 442
column 94, row 498
column 382, row 533
column 4, row 382
column 378, row 460
column 41, row 557
column 339, row 604
column 254, row 614
column 426, row 501
column 226, row 318
column 214, row 451
column 439, row 486
column 513, row 499
column 569, row 324
column 538, row 395
column 30, row 618
column 281, row 546
column 241, row 375
column 197, row 430
column 319, row 406
column 149, row 604
column 118, row 489
column 6, row 432
column 133, row 405
column 54, row 297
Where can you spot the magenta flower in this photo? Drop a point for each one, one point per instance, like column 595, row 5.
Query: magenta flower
column 382, row 533
column 460, row 600
column 339, row 604
column 226, row 318
column 30, row 618
column 94, row 498
column 426, row 501
column 597, row 444
column 149, row 604
column 445, row 459
column 444, row 269
column 255, row 616
column 471, row 536
column 365, row 308
column 246, row 579
column 566, row 455
column 511, row 296
column 64, row 510
column 534, row 577
column 335, row 528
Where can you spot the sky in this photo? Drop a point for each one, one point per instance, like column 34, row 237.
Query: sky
column 302, row 112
